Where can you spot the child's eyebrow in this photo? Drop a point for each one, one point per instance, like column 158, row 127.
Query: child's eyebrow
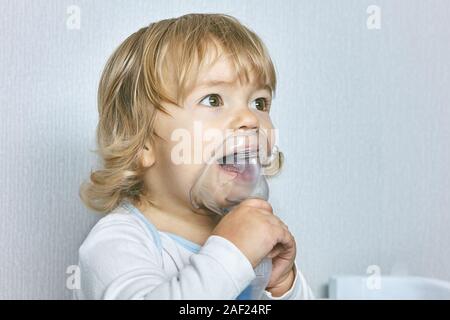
column 213, row 82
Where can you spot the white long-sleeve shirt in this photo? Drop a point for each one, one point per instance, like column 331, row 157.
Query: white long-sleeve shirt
column 126, row 257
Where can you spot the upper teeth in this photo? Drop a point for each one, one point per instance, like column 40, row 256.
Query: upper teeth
column 234, row 158
column 228, row 159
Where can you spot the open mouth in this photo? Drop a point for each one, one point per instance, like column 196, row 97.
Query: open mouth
column 244, row 165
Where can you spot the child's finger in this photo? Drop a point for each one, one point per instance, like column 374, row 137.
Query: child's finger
column 257, row 203
column 275, row 251
column 286, row 239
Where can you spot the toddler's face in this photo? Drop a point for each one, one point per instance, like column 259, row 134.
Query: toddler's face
column 217, row 104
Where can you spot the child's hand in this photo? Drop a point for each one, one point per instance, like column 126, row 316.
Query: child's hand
column 257, row 232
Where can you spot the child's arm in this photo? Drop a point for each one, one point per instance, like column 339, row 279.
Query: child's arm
column 118, row 262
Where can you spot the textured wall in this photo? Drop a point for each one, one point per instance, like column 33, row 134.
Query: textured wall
column 363, row 114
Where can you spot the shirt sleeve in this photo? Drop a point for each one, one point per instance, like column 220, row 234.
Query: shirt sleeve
column 300, row 289
column 117, row 261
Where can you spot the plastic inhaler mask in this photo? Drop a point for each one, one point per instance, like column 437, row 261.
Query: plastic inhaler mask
column 235, row 172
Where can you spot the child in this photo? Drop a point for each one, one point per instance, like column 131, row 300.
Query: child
column 197, row 69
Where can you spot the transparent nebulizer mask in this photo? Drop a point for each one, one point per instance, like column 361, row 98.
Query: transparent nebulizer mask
column 237, row 171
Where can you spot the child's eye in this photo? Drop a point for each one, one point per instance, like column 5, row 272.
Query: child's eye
column 262, row 104
column 214, row 100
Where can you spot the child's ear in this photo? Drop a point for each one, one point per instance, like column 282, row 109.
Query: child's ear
column 148, row 155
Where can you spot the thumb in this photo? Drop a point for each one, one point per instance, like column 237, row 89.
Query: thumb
column 258, row 204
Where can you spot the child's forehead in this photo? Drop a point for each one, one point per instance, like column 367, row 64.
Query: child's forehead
column 220, row 72
column 216, row 66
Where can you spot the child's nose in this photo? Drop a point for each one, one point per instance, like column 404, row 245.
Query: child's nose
column 245, row 118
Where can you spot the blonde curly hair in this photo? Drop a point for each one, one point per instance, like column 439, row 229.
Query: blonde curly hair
column 135, row 83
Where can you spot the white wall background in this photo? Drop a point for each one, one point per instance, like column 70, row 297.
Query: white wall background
column 364, row 120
